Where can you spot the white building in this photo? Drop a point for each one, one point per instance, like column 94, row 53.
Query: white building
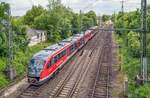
column 36, row 36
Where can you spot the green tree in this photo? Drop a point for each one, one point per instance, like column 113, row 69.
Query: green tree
column 32, row 14
column 87, row 22
column 56, row 21
column 20, row 36
column 75, row 23
column 92, row 15
column 4, row 7
column 105, row 18
column 134, row 43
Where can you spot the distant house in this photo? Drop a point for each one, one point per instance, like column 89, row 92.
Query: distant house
column 36, row 36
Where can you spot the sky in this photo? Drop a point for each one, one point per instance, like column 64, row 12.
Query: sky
column 19, row 7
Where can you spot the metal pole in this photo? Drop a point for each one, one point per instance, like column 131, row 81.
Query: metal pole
column 114, row 19
column 144, row 38
column 141, row 41
column 10, row 70
column 122, row 10
column 80, row 21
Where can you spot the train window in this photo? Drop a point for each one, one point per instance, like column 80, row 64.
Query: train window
column 64, row 52
column 59, row 56
column 71, row 48
column 55, row 59
column 76, row 46
column 82, row 41
column 49, row 64
column 38, row 63
column 52, row 61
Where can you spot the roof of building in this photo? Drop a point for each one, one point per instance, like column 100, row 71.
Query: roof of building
column 33, row 32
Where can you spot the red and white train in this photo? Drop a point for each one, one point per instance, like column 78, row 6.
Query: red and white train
column 46, row 63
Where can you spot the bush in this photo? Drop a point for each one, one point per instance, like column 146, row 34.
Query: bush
column 3, row 80
column 142, row 92
column 2, row 64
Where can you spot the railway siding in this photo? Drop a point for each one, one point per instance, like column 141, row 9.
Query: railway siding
column 101, row 85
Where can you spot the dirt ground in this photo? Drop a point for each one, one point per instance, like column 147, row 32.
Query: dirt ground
column 118, row 81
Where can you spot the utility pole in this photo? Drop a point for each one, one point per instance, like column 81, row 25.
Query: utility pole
column 80, row 21
column 114, row 18
column 122, row 9
column 144, row 40
column 11, row 72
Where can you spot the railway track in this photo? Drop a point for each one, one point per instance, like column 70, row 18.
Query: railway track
column 69, row 85
column 101, row 85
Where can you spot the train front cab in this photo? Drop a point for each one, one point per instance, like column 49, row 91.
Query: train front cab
column 34, row 71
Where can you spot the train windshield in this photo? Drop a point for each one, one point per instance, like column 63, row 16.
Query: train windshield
column 36, row 66
column 37, row 63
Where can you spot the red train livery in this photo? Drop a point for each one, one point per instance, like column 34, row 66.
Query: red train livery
column 46, row 63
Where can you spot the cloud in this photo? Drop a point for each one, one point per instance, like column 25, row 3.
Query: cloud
column 19, row 7
column 104, row 6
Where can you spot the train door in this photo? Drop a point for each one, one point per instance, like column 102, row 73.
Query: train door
column 68, row 51
column 50, row 66
column 82, row 41
column 75, row 46
column 71, row 49
column 79, row 43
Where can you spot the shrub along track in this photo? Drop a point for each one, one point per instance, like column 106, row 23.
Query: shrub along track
column 69, row 80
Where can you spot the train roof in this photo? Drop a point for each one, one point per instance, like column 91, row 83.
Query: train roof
column 94, row 27
column 88, row 31
column 50, row 50
column 43, row 54
column 79, row 35
column 73, row 38
column 68, row 40
column 54, row 47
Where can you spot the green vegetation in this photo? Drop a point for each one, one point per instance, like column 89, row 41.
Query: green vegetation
column 21, row 60
column 105, row 18
column 130, row 50
column 59, row 22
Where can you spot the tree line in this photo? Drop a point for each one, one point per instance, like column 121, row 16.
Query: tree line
column 59, row 21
